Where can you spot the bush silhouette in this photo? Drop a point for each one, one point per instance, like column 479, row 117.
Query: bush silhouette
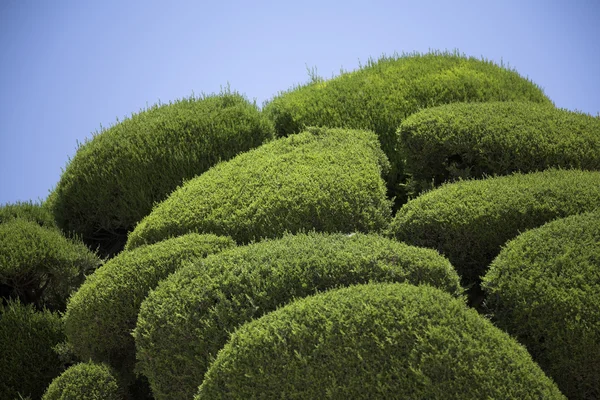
column 187, row 319
column 544, row 289
column 377, row 341
column 84, row 381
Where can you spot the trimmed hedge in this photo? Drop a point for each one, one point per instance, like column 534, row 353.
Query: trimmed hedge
column 28, row 362
column 111, row 183
column 544, row 289
column 102, row 313
column 380, row 95
column 469, row 221
column 187, row 319
column 39, row 265
column 85, row 381
column 38, row 213
column 465, row 140
column 378, row 341
column 328, row 180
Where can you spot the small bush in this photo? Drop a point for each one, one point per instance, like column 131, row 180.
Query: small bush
column 85, row 381
column 465, row 140
column 544, row 288
column 323, row 179
column 187, row 319
column 28, row 362
column 382, row 94
column 40, row 266
column 115, row 178
column 469, row 221
column 102, row 313
column 378, row 341
column 38, row 213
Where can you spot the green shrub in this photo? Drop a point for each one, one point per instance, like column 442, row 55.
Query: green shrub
column 115, row 178
column 85, row 381
column 35, row 212
column 544, row 289
column 464, row 140
column 323, row 179
column 39, row 265
column 377, row 341
column 381, row 94
column 469, row 221
column 102, row 313
column 27, row 337
column 187, row 319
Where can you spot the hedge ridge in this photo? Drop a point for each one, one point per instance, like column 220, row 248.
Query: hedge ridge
column 544, row 288
column 85, row 381
column 472, row 140
column 111, row 182
column 187, row 319
column 376, row 341
column 322, row 179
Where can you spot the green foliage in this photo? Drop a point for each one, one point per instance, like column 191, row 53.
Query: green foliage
column 102, row 313
column 469, row 221
column 378, row 341
column 39, row 265
column 187, row 319
column 115, row 178
column 323, row 179
column 382, row 94
column 38, row 213
column 27, row 337
column 84, row 381
column 544, row 288
column 464, row 140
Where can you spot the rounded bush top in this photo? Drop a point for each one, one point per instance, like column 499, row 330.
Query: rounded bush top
column 187, row 319
column 38, row 213
column 544, row 288
column 84, row 381
column 464, row 140
column 115, row 178
column 322, row 179
column 376, row 341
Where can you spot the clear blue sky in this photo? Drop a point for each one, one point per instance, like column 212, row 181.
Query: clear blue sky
column 68, row 67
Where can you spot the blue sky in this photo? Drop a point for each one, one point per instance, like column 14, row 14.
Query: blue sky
column 70, row 67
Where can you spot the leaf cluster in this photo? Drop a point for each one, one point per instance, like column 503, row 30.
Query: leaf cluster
column 85, row 381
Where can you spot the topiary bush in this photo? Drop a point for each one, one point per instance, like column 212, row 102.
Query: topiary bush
column 39, row 265
column 469, row 221
column 28, row 361
column 323, row 179
column 85, row 381
column 380, row 95
column 187, row 319
column 36, row 212
column 377, row 341
column 464, row 140
column 544, row 289
column 111, row 183
column 102, row 313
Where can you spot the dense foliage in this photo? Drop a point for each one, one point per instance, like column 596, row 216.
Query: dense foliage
column 187, row 319
column 378, row 341
column 544, row 288
column 38, row 213
column 469, row 221
column 39, row 265
column 27, row 360
column 323, row 179
column 464, row 140
column 111, row 183
column 84, row 381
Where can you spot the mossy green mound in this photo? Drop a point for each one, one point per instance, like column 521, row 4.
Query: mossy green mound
column 381, row 94
column 469, row 221
column 472, row 140
column 544, row 289
column 115, row 178
column 377, row 341
column 38, row 213
column 326, row 180
column 85, row 381
column 27, row 361
column 39, row 265
column 187, row 319
column 102, row 313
